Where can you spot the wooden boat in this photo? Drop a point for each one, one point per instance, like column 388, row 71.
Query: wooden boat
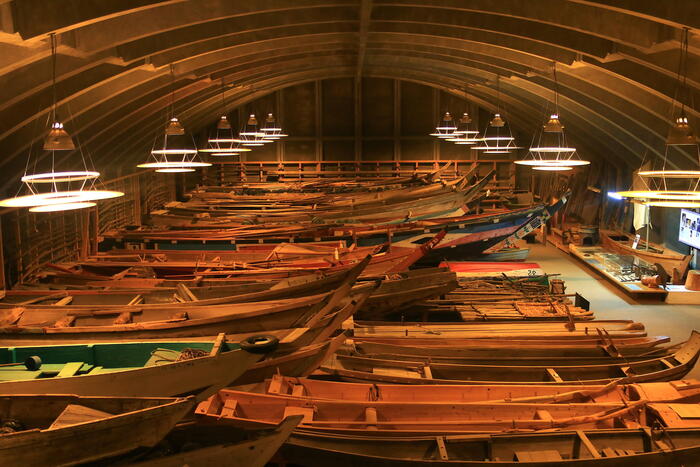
column 407, row 288
column 444, row 200
column 675, row 264
column 507, row 356
column 215, row 445
column 485, row 330
column 687, row 391
column 385, row 260
column 135, row 323
column 654, row 445
column 226, row 207
column 412, row 233
column 505, row 254
column 56, row 430
column 592, row 346
column 353, row 368
column 175, row 297
column 247, row 409
column 158, row 368
column 433, row 310
column 301, row 362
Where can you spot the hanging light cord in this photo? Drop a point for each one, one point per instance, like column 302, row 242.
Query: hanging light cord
column 53, row 75
column 223, row 97
column 556, row 88
column 683, row 70
column 172, row 91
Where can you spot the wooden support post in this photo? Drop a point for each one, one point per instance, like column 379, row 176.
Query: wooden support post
column 3, row 282
column 136, row 202
column 84, row 234
column 95, row 231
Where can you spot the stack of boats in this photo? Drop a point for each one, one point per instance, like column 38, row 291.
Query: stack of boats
column 313, row 325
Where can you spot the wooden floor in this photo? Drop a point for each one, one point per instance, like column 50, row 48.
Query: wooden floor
column 659, row 318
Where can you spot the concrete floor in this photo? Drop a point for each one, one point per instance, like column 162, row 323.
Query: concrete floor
column 608, row 302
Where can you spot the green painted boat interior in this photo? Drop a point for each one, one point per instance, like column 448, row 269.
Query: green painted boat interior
column 83, row 359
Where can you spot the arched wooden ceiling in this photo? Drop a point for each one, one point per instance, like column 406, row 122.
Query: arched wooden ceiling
column 616, row 62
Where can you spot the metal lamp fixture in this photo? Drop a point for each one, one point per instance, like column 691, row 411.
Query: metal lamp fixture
column 445, row 127
column 497, row 137
column 173, row 151
column 271, row 128
column 251, row 135
column 680, row 133
column 221, row 141
column 464, row 134
column 550, row 150
column 67, row 189
column 676, row 187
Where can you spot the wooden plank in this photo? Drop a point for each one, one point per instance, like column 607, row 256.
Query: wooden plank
column 42, row 298
column 185, row 292
column 70, row 369
column 218, row 344
column 666, row 363
column 538, row 456
column 64, row 301
column 442, row 449
column 554, row 375
column 137, row 300
column 229, row 408
column 587, row 443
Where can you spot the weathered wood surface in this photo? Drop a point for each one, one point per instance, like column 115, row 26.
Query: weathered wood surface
column 126, row 425
column 630, row 447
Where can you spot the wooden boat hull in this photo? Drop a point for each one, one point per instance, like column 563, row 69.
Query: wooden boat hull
column 168, row 379
column 301, row 362
column 406, row 371
column 74, row 444
column 255, row 451
column 687, row 391
column 670, row 260
column 506, row 348
column 196, row 321
column 613, row 448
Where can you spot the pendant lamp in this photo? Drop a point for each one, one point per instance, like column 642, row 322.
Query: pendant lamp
column 56, row 189
column 271, row 128
column 174, row 151
column 251, row 135
column 464, row 134
column 445, row 127
column 497, row 138
column 550, row 150
column 673, row 187
column 221, row 141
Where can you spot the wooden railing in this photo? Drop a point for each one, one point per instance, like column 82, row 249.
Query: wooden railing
column 30, row 240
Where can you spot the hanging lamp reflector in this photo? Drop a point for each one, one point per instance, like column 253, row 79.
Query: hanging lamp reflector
column 58, row 139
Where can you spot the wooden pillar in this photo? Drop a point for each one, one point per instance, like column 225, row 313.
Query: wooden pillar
column 3, row 282
column 85, row 241
column 358, row 118
column 397, row 120
column 280, row 119
column 438, row 116
column 94, row 231
column 319, row 131
column 136, row 203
